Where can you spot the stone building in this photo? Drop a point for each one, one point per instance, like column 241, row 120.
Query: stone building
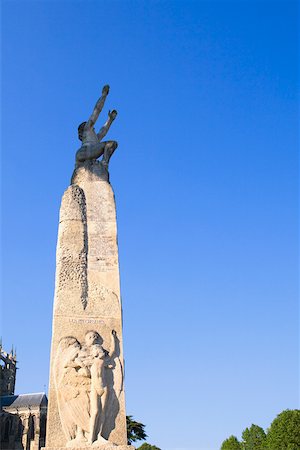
column 22, row 417
column 7, row 371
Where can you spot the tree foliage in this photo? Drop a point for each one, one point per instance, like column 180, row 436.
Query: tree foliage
column 147, row 446
column 254, row 438
column 284, row 432
column 231, row 443
column 135, row 430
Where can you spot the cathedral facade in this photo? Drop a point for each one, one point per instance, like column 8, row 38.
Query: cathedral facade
column 23, row 416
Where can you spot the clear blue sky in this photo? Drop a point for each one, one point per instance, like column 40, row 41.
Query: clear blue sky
column 205, row 179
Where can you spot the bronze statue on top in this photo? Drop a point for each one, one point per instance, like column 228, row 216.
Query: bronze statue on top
column 92, row 147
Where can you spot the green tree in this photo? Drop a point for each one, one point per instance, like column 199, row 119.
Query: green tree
column 135, row 430
column 254, row 438
column 284, row 432
column 231, row 443
column 147, row 446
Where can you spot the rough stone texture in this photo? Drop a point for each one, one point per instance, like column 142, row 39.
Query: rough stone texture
column 87, row 298
column 103, row 447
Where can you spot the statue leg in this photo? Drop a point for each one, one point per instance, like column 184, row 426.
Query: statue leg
column 109, row 148
column 94, row 415
column 88, row 152
column 103, row 410
column 79, row 438
column 80, row 435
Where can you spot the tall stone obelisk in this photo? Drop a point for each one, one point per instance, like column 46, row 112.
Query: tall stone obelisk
column 86, row 393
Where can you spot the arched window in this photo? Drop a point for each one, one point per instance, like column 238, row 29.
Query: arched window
column 31, row 427
column 43, row 420
column 6, row 430
column 20, row 430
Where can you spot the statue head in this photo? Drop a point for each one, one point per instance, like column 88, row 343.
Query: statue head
column 68, row 349
column 67, row 342
column 80, row 130
column 92, row 337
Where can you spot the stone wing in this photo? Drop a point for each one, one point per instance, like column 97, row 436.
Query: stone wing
column 72, row 388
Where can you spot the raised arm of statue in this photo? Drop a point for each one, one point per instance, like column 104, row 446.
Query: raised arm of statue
column 111, row 117
column 114, row 350
column 92, row 147
column 98, row 107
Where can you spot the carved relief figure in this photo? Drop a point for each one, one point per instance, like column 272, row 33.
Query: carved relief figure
column 92, row 147
column 86, row 387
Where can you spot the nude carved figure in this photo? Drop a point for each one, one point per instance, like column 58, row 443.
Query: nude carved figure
column 84, row 388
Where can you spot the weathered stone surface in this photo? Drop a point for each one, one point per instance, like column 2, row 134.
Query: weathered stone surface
column 103, row 447
column 86, row 393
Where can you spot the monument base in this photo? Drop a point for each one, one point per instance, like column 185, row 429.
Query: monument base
column 102, row 447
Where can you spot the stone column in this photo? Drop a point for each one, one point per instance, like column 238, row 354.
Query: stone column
column 86, row 393
column 25, row 437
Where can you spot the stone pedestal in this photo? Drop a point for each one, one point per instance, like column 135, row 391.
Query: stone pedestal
column 86, row 393
column 103, row 447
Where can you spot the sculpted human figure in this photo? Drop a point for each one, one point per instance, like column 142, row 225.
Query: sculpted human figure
column 83, row 387
column 92, row 147
column 98, row 360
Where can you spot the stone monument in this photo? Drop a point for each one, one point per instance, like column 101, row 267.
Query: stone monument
column 86, row 392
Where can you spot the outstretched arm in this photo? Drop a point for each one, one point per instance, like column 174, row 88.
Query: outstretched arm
column 111, row 117
column 114, row 350
column 98, row 107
